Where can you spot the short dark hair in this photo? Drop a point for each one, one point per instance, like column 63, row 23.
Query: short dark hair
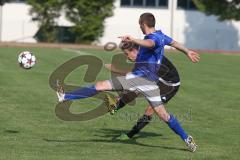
column 129, row 46
column 148, row 19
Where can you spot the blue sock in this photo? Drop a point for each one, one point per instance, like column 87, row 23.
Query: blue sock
column 81, row 93
column 176, row 127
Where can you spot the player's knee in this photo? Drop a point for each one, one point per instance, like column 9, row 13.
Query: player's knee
column 165, row 117
column 162, row 113
column 149, row 111
column 99, row 85
column 102, row 85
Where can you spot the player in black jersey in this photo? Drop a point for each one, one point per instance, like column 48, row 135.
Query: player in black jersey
column 169, row 83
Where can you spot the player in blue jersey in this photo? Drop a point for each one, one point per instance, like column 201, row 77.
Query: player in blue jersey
column 169, row 83
column 143, row 78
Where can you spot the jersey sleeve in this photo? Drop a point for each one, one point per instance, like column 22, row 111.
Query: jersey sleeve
column 154, row 39
column 167, row 40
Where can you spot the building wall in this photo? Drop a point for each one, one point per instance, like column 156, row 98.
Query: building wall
column 17, row 24
column 190, row 27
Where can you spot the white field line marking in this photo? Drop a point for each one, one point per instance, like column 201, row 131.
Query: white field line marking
column 76, row 51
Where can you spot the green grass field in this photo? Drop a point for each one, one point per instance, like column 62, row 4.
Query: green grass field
column 207, row 105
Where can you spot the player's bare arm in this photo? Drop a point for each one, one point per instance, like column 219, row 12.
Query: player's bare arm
column 192, row 55
column 145, row 43
column 114, row 69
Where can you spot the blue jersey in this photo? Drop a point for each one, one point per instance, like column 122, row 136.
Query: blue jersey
column 148, row 60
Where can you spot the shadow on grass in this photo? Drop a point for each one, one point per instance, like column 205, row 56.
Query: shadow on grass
column 11, row 131
column 114, row 133
column 106, row 133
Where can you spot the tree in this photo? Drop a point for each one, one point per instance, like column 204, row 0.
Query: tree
column 46, row 12
column 225, row 9
column 88, row 17
column 4, row 1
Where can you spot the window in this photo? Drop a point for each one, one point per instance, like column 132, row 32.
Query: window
column 192, row 5
column 125, row 2
column 18, row 1
column 145, row 3
column 186, row 4
column 150, row 3
column 163, row 3
column 138, row 3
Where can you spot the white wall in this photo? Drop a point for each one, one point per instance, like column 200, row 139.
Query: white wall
column 198, row 31
column 17, row 24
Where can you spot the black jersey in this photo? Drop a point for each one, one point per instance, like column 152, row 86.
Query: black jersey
column 168, row 72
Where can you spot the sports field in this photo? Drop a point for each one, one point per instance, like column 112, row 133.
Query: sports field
column 207, row 105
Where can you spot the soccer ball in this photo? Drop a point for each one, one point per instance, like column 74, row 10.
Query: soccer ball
column 26, row 59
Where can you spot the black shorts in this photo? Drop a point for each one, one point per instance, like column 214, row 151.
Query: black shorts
column 167, row 92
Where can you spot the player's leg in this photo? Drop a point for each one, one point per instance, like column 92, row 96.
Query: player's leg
column 125, row 98
column 141, row 123
column 115, row 104
column 143, row 86
column 83, row 92
column 174, row 124
column 120, row 84
column 168, row 93
column 154, row 98
column 171, row 121
column 115, row 84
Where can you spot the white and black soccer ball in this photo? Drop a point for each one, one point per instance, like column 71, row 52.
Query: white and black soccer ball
column 26, row 59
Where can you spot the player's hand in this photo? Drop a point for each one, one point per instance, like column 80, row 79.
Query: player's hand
column 193, row 56
column 126, row 38
column 108, row 66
